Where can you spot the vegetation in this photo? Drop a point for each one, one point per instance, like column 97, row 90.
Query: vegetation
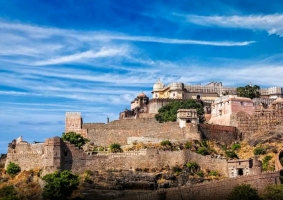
column 231, row 154
column 188, row 145
column 8, row 193
column 13, row 168
column 249, row 91
column 74, row 138
column 235, row 147
column 59, row 185
column 243, row 192
column 265, row 163
column 203, row 151
column 259, row 151
column 281, row 161
column 193, row 167
column 176, row 169
column 200, row 174
column 165, row 143
column 115, row 147
column 273, row 192
column 213, row 173
column 169, row 112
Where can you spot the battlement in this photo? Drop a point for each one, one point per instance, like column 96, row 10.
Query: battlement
column 73, row 114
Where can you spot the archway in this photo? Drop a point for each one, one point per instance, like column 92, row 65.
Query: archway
column 240, row 172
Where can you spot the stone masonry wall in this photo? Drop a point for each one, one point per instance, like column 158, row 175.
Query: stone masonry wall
column 213, row 190
column 118, row 131
column 261, row 122
column 224, row 134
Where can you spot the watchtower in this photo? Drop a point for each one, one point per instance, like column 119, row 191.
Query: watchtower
column 73, row 122
column 187, row 116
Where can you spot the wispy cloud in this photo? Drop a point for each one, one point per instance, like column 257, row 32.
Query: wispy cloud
column 273, row 24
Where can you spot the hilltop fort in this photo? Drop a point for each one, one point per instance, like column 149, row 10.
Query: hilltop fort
column 229, row 119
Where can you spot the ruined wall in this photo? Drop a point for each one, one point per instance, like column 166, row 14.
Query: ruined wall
column 262, row 122
column 213, row 190
column 3, row 158
column 224, row 134
column 118, row 131
column 27, row 156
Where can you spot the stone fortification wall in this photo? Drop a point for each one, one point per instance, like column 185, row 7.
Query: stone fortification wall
column 224, row 134
column 213, row 190
column 118, row 131
column 78, row 161
column 261, row 122
column 3, row 158
column 27, row 156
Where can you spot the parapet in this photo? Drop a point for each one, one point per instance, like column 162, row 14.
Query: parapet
column 73, row 114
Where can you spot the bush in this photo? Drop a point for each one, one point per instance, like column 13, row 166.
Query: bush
column 76, row 139
column 235, row 147
column 265, row 162
column 59, row 185
column 203, row 151
column 231, row 154
column 200, row 174
column 188, row 145
column 243, row 192
column 193, row 167
column 13, row 168
column 115, row 147
column 166, row 143
column 259, row 151
column 213, row 173
column 8, row 193
column 273, row 192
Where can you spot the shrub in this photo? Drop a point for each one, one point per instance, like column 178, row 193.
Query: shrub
column 89, row 172
column 200, row 174
column 235, row 147
column 13, row 168
column 188, row 145
column 273, row 192
column 192, row 167
column 243, row 192
column 166, row 143
column 231, row 154
column 8, row 193
column 203, row 151
column 213, row 173
column 76, row 139
column 259, row 151
column 59, row 185
column 115, row 147
column 265, row 162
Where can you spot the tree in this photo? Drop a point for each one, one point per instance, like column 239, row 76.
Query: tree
column 249, row 91
column 115, row 147
column 273, row 192
column 169, row 112
column 13, row 168
column 8, row 193
column 59, row 185
column 75, row 139
column 243, row 192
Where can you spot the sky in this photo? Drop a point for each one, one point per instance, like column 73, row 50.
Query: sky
column 95, row 56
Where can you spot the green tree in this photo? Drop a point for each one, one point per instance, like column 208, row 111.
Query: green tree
column 273, row 192
column 13, row 168
column 231, row 154
column 75, row 139
column 169, row 112
column 243, row 192
column 249, row 91
column 59, row 185
column 8, row 193
column 115, row 147
column 259, row 151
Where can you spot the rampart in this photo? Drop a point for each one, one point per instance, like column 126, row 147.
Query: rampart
column 118, row 131
column 55, row 154
column 264, row 122
column 224, row 134
column 214, row 190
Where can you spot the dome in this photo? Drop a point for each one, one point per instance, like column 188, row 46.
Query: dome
column 142, row 95
column 158, row 85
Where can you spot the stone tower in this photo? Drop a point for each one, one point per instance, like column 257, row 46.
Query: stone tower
column 73, row 122
column 52, row 155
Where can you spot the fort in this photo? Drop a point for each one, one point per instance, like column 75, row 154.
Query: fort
column 229, row 119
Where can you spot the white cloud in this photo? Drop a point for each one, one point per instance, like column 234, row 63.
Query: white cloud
column 273, row 24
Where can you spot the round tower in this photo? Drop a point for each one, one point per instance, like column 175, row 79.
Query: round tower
column 157, row 88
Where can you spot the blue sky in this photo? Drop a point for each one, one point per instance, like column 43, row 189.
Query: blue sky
column 96, row 56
